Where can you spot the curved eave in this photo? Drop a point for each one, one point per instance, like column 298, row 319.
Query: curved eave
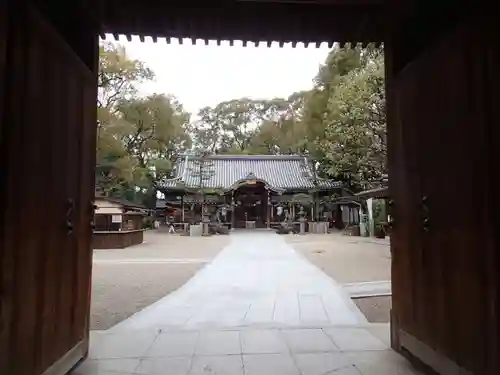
column 325, row 184
column 243, row 182
column 171, row 184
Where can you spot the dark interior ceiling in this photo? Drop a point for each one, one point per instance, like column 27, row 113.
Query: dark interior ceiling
column 313, row 21
column 283, row 21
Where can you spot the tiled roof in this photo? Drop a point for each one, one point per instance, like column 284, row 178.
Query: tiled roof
column 223, row 171
column 123, row 202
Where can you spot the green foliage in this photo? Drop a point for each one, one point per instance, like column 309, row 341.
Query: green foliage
column 355, row 125
column 248, row 126
column 152, row 130
column 379, row 217
column 376, row 208
column 379, row 212
column 229, row 126
column 148, row 222
column 138, row 137
column 118, row 76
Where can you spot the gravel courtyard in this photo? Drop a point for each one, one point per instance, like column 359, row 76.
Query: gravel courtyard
column 349, row 259
column 127, row 280
column 344, row 258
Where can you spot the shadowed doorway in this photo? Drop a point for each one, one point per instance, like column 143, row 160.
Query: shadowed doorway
column 251, row 205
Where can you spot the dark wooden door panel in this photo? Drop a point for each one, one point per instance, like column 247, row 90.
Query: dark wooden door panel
column 405, row 191
column 3, row 293
column 3, row 55
column 492, row 114
column 49, row 159
column 443, row 281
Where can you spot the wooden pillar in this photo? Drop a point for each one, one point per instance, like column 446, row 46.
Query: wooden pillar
column 316, row 207
column 268, row 208
column 233, row 212
column 182, row 208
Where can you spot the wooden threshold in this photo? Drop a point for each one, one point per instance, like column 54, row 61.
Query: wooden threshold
column 428, row 356
column 64, row 364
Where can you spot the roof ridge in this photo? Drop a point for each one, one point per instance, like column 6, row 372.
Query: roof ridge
column 247, row 156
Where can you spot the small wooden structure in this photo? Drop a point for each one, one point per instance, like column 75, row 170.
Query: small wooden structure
column 381, row 193
column 118, row 223
column 350, row 218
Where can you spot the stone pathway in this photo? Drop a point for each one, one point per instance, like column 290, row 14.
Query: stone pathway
column 257, row 279
column 258, row 309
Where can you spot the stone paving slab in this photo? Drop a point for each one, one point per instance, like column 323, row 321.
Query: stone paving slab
column 337, row 350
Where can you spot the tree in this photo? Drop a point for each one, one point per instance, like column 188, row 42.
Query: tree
column 118, row 76
column 118, row 79
column 339, row 62
column 229, row 126
column 138, row 137
column 152, row 131
column 249, row 126
column 355, row 124
column 282, row 128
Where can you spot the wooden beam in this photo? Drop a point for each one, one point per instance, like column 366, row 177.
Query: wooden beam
column 247, row 21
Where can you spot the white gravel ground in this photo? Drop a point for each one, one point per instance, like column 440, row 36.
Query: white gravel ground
column 125, row 281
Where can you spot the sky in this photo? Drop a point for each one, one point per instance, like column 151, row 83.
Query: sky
column 200, row 75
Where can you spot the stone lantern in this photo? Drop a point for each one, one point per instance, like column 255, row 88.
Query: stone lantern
column 302, row 220
column 205, row 221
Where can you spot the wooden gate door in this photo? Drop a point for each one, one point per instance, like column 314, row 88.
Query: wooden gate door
column 48, row 154
column 443, row 272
